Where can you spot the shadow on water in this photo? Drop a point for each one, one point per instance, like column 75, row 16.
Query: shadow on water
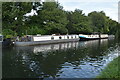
column 84, row 59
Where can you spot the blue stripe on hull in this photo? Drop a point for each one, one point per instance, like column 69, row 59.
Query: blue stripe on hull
column 82, row 38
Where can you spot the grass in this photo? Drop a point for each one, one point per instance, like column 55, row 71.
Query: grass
column 112, row 70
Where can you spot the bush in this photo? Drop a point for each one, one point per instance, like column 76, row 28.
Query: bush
column 8, row 33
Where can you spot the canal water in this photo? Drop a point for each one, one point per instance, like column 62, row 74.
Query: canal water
column 83, row 59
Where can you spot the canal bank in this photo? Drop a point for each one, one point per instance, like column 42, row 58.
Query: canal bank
column 112, row 70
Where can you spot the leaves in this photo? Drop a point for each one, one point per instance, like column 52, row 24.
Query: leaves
column 78, row 22
column 13, row 15
column 52, row 19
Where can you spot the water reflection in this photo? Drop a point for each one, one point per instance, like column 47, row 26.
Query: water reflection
column 83, row 59
column 52, row 47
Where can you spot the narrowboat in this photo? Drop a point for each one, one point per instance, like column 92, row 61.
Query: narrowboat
column 93, row 36
column 44, row 39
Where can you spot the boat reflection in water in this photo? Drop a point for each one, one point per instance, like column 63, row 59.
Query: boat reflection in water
column 51, row 47
column 83, row 59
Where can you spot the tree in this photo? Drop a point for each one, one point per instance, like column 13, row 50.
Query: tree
column 98, row 21
column 13, row 16
column 53, row 18
column 78, row 22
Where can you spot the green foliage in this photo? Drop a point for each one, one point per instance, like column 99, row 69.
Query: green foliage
column 8, row 36
column 98, row 21
column 8, row 33
column 118, row 31
column 13, row 15
column 78, row 22
column 33, row 30
column 52, row 19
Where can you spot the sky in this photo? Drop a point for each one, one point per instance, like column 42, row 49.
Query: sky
column 110, row 7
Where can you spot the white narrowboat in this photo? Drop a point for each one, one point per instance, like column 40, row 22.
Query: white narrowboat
column 45, row 39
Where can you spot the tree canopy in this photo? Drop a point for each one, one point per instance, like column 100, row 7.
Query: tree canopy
column 52, row 19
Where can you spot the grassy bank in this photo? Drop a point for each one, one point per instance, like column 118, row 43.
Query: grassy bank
column 112, row 70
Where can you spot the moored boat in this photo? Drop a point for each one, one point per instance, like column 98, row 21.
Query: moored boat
column 45, row 39
column 92, row 36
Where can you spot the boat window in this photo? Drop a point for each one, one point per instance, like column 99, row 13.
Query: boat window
column 68, row 37
column 52, row 37
column 60, row 37
column 71, row 36
column 75, row 36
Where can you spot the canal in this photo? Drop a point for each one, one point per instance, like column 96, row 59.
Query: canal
column 84, row 59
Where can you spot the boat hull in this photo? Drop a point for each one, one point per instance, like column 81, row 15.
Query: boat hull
column 43, row 42
column 86, row 39
column 93, row 36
